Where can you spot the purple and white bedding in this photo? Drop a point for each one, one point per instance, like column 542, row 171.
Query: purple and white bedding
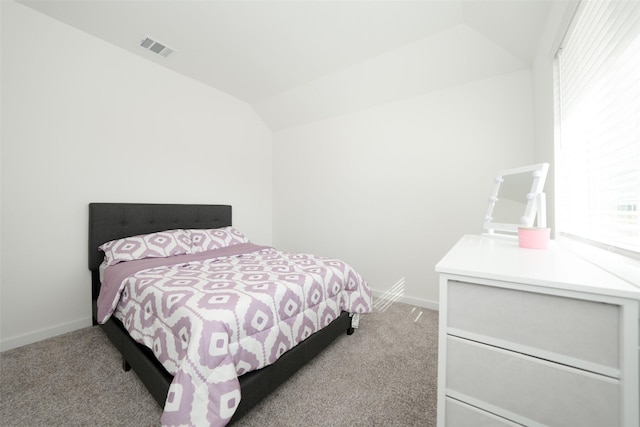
column 212, row 316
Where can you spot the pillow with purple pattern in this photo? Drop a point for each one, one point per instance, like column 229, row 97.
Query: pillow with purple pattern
column 215, row 238
column 155, row 245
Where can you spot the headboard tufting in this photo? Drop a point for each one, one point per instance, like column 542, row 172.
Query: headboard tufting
column 109, row 221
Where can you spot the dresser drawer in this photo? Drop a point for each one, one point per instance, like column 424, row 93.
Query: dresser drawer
column 536, row 390
column 461, row 415
column 575, row 328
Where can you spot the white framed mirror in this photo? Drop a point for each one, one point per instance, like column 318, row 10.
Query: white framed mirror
column 517, row 199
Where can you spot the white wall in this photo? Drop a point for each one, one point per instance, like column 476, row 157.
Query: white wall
column 451, row 57
column 85, row 121
column 390, row 189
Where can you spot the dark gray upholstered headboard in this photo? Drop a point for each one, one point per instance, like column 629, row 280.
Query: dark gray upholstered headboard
column 109, row 221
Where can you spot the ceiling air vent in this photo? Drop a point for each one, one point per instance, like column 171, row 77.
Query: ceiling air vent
column 156, row 47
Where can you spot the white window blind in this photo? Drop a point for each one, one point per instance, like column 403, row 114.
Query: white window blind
column 598, row 117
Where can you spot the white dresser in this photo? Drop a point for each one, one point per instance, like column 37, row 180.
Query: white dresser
column 535, row 337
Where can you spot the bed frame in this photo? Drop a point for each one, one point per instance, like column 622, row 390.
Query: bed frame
column 109, row 221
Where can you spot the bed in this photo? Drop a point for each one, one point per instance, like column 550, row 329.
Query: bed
column 109, row 221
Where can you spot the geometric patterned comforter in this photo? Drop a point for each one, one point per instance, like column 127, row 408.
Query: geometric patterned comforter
column 214, row 316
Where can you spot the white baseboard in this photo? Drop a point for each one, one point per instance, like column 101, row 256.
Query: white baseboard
column 420, row 302
column 43, row 334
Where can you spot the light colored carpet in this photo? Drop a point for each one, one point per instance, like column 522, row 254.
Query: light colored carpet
column 383, row 375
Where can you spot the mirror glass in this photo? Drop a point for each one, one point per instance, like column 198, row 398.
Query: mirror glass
column 516, row 199
column 513, row 198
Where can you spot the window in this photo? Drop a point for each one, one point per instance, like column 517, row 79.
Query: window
column 598, row 126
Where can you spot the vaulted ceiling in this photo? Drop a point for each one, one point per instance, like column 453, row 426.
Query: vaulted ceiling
column 300, row 61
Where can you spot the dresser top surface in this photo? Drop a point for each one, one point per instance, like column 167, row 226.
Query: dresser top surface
column 556, row 267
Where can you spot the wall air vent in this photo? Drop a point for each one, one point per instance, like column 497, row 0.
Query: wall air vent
column 156, row 47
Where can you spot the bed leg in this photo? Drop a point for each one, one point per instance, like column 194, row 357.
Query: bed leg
column 355, row 320
column 125, row 365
